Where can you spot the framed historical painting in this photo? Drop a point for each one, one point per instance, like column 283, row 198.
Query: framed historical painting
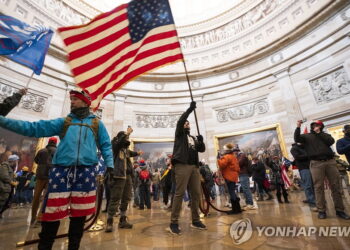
column 258, row 142
column 23, row 146
column 155, row 151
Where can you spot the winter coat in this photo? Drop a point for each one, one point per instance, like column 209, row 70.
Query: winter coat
column 6, row 177
column 343, row 147
column 121, row 156
column 181, row 148
column 9, row 103
column 300, row 156
column 244, row 165
column 44, row 160
column 229, row 167
column 77, row 148
column 259, row 171
column 317, row 146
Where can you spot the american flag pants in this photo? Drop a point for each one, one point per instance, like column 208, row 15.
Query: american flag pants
column 71, row 192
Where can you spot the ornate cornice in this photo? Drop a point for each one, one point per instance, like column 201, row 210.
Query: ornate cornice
column 157, row 120
column 242, row 111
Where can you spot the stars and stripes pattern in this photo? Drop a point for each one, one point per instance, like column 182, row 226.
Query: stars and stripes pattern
column 71, row 192
column 120, row 45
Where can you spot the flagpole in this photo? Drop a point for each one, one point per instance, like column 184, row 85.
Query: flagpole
column 30, row 78
column 189, row 87
column 186, row 73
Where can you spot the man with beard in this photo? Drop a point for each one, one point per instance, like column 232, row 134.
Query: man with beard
column 322, row 165
column 186, row 167
column 120, row 180
column 72, row 178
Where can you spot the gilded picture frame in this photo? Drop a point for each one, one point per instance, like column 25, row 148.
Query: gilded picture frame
column 155, row 151
column 252, row 140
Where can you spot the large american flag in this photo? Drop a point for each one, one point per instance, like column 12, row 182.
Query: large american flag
column 120, row 45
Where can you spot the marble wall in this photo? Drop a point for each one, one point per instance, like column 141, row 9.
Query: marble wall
column 306, row 78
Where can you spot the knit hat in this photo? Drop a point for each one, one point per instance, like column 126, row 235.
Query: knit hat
column 142, row 163
column 82, row 95
column 13, row 158
column 52, row 141
column 228, row 147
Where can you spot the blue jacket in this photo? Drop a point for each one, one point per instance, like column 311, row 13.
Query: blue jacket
column 343, row 147
column 77, row 148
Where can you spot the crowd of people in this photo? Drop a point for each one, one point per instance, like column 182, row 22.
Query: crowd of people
column 66, row 173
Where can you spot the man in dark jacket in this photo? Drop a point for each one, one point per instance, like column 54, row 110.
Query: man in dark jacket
column 120, row 180
column 303, row 163
column 7, row 180
column 343, row 144
column 318, row 147
column 44, row 160
column 185, row 162
column 12, row 101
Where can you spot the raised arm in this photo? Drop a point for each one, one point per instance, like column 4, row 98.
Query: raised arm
column 181, row 122
column 10, row 102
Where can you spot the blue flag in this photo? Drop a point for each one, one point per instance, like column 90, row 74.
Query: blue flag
column 24, row 44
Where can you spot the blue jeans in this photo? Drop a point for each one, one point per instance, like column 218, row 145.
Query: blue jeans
column 245, row 184
column 231, row 187
column 306, row 179
column 155, row 188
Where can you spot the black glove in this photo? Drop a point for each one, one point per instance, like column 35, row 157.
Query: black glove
column 200, row 138
column 193, row 105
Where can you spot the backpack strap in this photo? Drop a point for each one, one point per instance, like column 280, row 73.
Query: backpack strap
column 94, row 127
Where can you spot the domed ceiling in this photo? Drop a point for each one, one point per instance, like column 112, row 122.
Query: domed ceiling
column 185, row 12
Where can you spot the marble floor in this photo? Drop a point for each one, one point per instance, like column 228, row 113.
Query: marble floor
column 149, row 230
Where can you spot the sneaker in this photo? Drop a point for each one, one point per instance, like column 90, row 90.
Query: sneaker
column 342, row 215
column 250, row 207
column 198, row 225
column 174, row 229
column 322, row 215
column 314, row 209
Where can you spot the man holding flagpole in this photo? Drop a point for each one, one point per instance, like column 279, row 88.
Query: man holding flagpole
column 186, row 165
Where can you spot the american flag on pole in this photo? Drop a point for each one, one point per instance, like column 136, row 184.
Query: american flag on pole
column 120, row 45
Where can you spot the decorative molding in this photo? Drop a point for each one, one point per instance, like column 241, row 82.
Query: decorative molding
column 232, row 28
column 57, row 11
column 157, row 120
column 30, row 101
column 330, row 86
column 243, row 111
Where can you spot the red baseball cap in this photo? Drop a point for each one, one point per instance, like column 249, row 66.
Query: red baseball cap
column 53, row 140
